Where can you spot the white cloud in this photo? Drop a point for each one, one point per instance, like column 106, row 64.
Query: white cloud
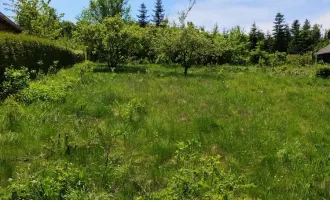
column 230, row 13
column 324, row 20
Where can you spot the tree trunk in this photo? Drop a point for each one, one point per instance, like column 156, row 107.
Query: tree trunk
column 186, row 71
column 109, row 64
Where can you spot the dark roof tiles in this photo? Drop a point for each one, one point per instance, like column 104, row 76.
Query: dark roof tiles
column 9, row 22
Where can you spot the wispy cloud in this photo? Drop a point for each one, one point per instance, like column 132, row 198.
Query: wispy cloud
column 230, row 13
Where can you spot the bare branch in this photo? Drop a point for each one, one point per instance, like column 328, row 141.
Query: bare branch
column 184, row 14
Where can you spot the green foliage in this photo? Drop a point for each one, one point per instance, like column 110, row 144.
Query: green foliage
column 112, row 41
column 59, row 181
column 45, row 89
column 67, row 29
column 159, row 13
column 131, row 111
column 37, row 17
column 11, row 114
column 203, row 178
column 143, row 17
column 99, row 10
column 34, row 53
column 119, row 43
column 323, row 72
column 295, row 46
column 278, row 59
column 306, row 36
column 301, row 60
column 116, row 41
column 14, row 81
column 258, row 56
column 281, row 33
column 246, row 134
column 255, row 36
column 183, row 45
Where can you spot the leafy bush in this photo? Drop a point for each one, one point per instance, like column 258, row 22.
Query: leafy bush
column 201, row 177
column 54, row 182
column 40, row 91
column 14, row 80
column 34, row 53
column 301, row 60
column 323, row 72
column 259, row 57
column 278, row 58
column 11, row 115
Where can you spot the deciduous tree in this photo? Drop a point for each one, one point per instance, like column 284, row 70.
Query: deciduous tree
column 99, row 10
column 37, row 17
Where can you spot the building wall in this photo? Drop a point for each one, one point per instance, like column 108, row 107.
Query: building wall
column 324, row 57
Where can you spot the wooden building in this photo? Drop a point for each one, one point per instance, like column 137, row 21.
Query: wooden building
column 8, row 25
column 324, row 54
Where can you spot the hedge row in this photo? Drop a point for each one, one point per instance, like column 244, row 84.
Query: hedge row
column 34, row 53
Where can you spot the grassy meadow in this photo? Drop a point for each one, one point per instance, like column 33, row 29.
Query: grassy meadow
column 149, row 132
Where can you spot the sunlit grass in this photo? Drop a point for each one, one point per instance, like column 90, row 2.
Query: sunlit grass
column 123, row 128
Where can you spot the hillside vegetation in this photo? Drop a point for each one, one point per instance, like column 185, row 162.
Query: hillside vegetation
column 148, row 132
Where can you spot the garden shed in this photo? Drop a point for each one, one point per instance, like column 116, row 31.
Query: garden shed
column 8, row 25
column 324, row 54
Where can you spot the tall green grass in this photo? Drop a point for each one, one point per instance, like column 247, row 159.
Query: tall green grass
column 127, row 132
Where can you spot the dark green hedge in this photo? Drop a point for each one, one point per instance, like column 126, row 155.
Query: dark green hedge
column 34, row 53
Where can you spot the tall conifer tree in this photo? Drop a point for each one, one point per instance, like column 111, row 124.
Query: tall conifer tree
column 280, row 33
column 295, row 44
column 159, row 15
column 143, row 17
column 306, row 36
column 255, row 36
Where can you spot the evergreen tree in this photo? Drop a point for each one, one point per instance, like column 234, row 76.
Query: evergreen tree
column 316, row 34
column 253, row 39
column 280, row 33
column 269, row 43
column 255, row 36
column 287, row 36
column 295, row 44
column 158, row 18
column 143, row 17
column 306, row 36
column 215, row 30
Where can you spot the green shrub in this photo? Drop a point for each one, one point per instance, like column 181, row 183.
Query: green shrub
column 14, row 81
column 301, row 60
column 11, row 115
column 201, row 177
column 34, row 53
column 259, row 57
column 323, row 72
column 46, row 90
column 278, row 59
column 61, row 181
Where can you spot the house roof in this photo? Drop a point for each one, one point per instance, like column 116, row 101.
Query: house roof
column 325, row 50
column 10, row 23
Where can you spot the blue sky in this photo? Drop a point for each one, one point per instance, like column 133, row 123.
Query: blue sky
column 227, row 13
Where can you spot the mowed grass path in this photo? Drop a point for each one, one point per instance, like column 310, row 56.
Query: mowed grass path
column 272, row 129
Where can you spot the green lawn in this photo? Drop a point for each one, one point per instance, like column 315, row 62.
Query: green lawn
column 140, row 132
